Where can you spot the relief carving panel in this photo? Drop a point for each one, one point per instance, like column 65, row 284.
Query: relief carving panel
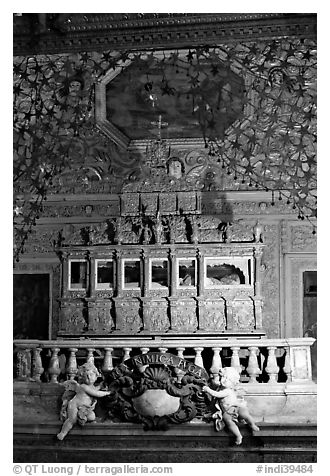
column 243, row 314
column 183, row 315
column 155, row 316
column 212, row 315
column 128, row 315
column 72, row 319
column 99, row 316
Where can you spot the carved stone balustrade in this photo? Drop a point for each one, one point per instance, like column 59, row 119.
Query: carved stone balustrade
column 259, row 361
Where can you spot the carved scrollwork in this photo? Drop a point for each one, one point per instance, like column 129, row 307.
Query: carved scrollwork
column 155, row 389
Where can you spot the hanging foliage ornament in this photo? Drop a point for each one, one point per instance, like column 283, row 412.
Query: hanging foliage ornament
column 255, row 104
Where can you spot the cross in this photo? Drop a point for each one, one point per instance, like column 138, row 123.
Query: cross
column 159, row 124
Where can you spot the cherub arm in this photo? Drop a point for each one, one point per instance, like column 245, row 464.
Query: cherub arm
column 93, row 392
column 214, row 393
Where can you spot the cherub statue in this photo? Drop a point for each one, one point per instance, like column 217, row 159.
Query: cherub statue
column 230, row 404
column 79, row 398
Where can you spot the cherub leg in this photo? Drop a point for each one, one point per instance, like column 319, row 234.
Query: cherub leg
column 233, row 428
column 91, row 416
column 69, row 422
column 244, row 413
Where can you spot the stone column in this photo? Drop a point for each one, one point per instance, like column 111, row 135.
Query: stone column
column 200, row 272
column 146, row 272
column 127, row 351
column 272, row 368
column 37, row 368
column 107, row 362
column 65, row 275
column 54, row 365
column 90, row 355
column 229, row 315
column 216, row 365
column 119, row 273
column 257, row 282
column 234, row 361
column 253, row 367
column 92, row 276
column 198, row 357
column 173, row 283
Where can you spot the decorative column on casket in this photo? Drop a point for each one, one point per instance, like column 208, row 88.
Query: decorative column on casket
column 127, row 305
column 65, row 273
column 200, row 290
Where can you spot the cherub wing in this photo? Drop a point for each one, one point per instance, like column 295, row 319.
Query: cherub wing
column 71, row 385
column 71, row 388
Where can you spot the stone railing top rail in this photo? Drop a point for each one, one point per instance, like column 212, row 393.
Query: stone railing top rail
column 165, row 342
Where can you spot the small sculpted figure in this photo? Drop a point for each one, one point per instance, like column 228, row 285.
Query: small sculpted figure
column 230, row 404
column 79, row 399
column 258, row 232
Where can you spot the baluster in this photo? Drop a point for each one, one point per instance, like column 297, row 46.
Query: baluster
column 234, row 361
column 144, row 350
column 253, row 368
column 54, row 365
column 216, row 365
column 23, row 363
column 179, row 372
column 107, row 361
column 19, row 363
column 198, row 357
column 71, row 368
column 287, row 365
column 272, row 367
column 37, row 368
column 90, row 355
column 127, row 351
column 163, row 350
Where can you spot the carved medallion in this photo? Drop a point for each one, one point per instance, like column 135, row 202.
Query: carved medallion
column 155, row 389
